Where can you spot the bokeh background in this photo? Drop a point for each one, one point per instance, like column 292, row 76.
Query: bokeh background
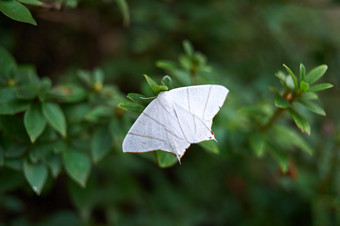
column 245, row 43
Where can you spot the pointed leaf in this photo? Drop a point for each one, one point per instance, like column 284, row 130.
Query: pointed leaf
column 77, row 166
column 150, row 81
column 165, row 159
column 167, row 81
column 13, row 107
column 159, row 88
column 188, row 49
column 31, row 2
column 34, row 122
column 36, row 175
column 83, row 198
column 258, row 143
column 131, row 107
column 302, row 73
column 7, row 94
column 287, row 136
column 55, row 117
column 124, row 8
column 292, row 76
column 304, row 86
column 280, row 157
column 313, row 107
column 98, row 75
column 319, row 87
column 99, row 113
column 316, row 74
column 139, row 99
column 16, row 11
column 210, row 145
column 310, row 96
column 54, row 163
column 7, row 62
column 101, row 144
column 281, row 102
column 167, row 65
column 301, row 122
column 281, row 76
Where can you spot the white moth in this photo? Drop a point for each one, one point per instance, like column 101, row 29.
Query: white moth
column 176, row 119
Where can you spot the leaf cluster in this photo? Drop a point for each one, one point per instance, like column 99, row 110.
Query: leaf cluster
column 45, row 129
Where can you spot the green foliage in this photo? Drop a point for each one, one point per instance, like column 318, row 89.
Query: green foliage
column 55, row 117
column 35, row 122
column 36, row 175
column 77, row 165
column 276, row 161
column 17, row 11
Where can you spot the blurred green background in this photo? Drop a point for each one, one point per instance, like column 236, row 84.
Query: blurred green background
column 245, row 43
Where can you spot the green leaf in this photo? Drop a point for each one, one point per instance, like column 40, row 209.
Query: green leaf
column 36, row 175
column 28, row 76
column 302, row 73
column 124, row 8
column 55, row 117
column 309, row 96
column 151, row 83
column 186, row 62
column 167, row 65
column 8, row 94
column 188, row 49
column 304, row 86
column 210, row 145
column 281, row 76
column 54, row 163
column 319, row 87
column 313, row 107
column 165, row 159
column 167, row 81
column 69, row 93
column 139, row 99
column 300, row 121
column 15, row 151
column 16, row 11
column 287, row 136
column 99, row 113
column 14, row 164
column 281, row 102
column 182, row 76
column 13, row 107
column 27, row 92
column 34, row 122
column 76, row 112
column 98, row 75
column 7, row 61
column 85, row 77
column 131, row 107
column 77, row 166
column 159, row 88
column 280, row 157
column 258, row 143
column 31, row 2
column 316, row 74
column 292, row 76
column 101, row 143
column 83, row 198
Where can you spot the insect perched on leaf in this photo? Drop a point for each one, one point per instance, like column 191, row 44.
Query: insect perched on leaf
column 176, row 119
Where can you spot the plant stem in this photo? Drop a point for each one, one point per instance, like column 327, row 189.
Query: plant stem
column 271, row 121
